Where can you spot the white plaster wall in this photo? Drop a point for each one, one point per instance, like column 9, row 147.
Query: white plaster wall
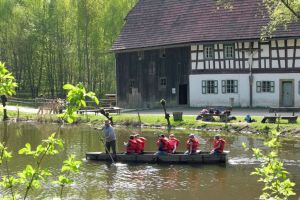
column 197, row 99
column 272, row 99
column 242, row 98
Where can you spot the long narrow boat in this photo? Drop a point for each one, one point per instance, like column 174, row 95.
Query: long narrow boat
column 149, row 157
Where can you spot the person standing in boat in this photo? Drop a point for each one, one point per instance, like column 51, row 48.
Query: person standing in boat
column 218, row 145
column 110, row 137
column 192, row 144
column 162, row 144
column 172, row 144
column 140, row 143
column 131, row 145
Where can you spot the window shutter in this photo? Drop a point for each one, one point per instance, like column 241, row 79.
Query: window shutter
column 258, row 86
column 216, row 87
column 203, row 87
column 223, row 86
column 272, row 83
column 235, row 83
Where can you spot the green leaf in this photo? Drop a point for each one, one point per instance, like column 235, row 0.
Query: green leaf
column 68, row 87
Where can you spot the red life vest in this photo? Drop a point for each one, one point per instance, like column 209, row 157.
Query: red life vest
column 162, row 144
column 192, row 142
column 140, row 144
column 171, row 144
column 131, row 146
column 216, row 144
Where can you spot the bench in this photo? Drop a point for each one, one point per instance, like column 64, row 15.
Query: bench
column 273, row 119
column 116, row 110
column 284, row 109
column 82, row 111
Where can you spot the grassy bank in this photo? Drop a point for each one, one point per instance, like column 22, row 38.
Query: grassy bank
column 158, row 121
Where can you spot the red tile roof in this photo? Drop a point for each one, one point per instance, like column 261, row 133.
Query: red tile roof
column 154, row 23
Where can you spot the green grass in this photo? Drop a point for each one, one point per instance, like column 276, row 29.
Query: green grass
column 188, row 121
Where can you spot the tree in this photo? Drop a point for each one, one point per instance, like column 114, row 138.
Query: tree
column 280, row 13
column 7, row 87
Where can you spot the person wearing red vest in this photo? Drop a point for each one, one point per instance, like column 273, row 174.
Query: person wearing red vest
column 192, row 144
column 131, row 146
column 162, row 144
column 140, row 143
column 218, row 145
column 172, row 144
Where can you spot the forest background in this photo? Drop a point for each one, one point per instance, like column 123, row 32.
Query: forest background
column 48, row 43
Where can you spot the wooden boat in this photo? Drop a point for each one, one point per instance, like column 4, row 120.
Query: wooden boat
column 149, row 157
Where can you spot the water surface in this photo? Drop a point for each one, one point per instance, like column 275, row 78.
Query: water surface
column 101, row 180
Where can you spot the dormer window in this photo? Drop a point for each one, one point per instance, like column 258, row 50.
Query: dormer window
column 209, row 52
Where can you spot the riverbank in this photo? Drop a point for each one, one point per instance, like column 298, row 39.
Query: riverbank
column 158, row 121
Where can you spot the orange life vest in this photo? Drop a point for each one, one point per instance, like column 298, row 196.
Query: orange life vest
column 162, row 144
column 216, row 144
column 140, row 144
column 192, row 143
column 171, row 144
column 131, row 146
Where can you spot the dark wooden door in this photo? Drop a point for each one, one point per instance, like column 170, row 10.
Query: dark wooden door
column 183, row 93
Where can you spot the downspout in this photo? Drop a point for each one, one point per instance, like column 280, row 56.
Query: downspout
column 250, row 62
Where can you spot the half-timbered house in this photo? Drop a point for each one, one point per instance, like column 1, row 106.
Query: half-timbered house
column 194, row 52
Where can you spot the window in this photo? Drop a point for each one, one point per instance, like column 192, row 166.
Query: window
column 140, row 55
column 265, row 86
column 228, row 51
column 229, row 86
column 210, row 87
column 131, row 83
column 152, row 68
column 209, row 52
column 162, row 53
column 163, row 82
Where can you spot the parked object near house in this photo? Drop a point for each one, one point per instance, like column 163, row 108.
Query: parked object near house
column 191, row 53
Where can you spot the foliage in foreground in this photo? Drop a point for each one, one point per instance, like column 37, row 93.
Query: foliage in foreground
column 7, row 81
column 33, row 176
column 76, row 99
column 280, row 13
column 271, row 172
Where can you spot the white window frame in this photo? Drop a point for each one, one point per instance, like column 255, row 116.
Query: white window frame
column 209, row 52
column 209, row 87
column 265, row 86
column 229, row 51
column 229, row 86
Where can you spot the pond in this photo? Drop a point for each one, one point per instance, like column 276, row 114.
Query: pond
column 101, row 180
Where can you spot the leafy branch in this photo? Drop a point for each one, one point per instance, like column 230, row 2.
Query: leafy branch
column 75, row 100
column 271, row 171
column 70, row 166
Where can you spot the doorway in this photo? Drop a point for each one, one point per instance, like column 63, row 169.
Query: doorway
column 183, row 93
column 287, row 93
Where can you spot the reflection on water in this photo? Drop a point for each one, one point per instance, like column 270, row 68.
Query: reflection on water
column 100, row 180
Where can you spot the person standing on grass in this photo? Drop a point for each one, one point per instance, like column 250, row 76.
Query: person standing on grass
column 110, row 137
